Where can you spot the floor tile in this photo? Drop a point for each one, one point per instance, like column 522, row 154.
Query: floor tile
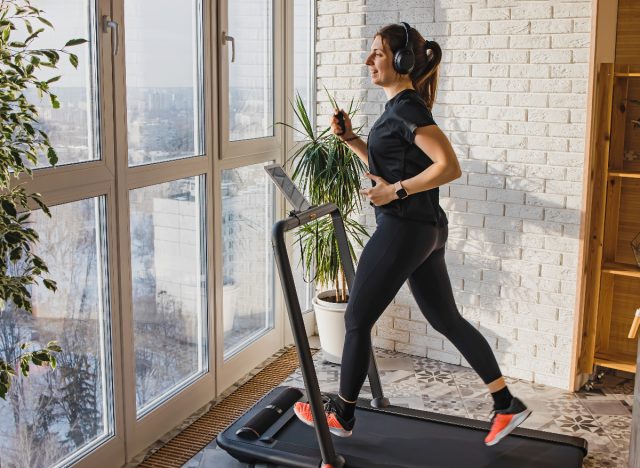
column 605, row 407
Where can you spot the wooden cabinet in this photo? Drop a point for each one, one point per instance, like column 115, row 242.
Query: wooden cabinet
column 615, row 221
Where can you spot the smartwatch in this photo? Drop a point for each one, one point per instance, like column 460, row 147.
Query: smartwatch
column 400, row 191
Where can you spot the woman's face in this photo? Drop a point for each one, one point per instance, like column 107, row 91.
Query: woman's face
column 380, row 63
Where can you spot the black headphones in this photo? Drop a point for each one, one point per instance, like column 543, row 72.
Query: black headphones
column 404, row 59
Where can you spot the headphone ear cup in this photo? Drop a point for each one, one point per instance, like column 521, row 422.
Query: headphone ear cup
column 404, row 60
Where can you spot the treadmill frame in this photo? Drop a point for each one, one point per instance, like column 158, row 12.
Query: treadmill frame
column 297, row 219
column 330, row 459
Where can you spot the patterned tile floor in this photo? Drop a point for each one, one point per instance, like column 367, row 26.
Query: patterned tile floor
column 602, row 416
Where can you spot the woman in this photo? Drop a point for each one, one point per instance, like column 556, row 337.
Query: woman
column 409, row 158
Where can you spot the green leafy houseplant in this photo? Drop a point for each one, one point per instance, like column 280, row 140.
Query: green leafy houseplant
column 327, row 169
column 22, row 143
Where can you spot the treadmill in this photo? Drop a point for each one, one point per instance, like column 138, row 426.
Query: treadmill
column 384, row 436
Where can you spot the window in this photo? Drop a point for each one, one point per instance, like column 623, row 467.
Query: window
column 169, row 288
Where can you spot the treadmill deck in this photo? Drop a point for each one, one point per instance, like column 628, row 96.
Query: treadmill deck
column 404, row 437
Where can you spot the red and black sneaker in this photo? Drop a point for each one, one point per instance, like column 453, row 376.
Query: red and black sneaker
column 506, row 420
column 337, row 425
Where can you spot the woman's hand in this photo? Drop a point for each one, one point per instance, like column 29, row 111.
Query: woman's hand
column 382, row 193
column 335, row 127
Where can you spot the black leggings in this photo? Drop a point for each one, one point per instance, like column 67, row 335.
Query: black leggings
column 399, row 250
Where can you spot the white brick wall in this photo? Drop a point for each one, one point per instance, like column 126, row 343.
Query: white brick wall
column 512, row 100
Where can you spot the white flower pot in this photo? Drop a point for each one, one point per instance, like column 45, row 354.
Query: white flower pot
column 330, row 323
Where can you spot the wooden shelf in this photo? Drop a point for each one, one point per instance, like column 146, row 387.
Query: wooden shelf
column 628, row 174
column 626, row 75
column 621, row 269
column 623, row 363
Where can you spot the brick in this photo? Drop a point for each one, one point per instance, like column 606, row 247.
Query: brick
column 521, row 267
column 541, row 284
column 469, row 192
column 541, row 256
column 410, row 326
column 566, row 159
column 330, row 8
column 537, row 310
column 509, row 27
column 490, row 70
column 467, row 28
column 528, row 128
column 486, row 180
column 566, row 70
column 572, row 10
column 507, row 141
column 559, row 300
column 526, row 156
column 546, row 200
column 510, row 85
column 548, row 115
column 453, row 14
column 531, row 11
column 541, row 227
column 559, row 272
column 487, row 154
column 564, row 187
column 507, row 113
column 490, row 13
column 554, row 26
column 562, row 216
column 509, row 56
column 502, row 251
column 529, row 71
column 530, row 42
column 551, row 56
column 520, row 211
column 486, row 126
column 550, row 86
column 481, row 261
column 570, row 41
column 503, row 223
column 547, row 143
column 582, row 25
column 525, row 184
column 489, row 99
column 568, row 130
column 568, row 100
column 456, row 70
column 470, row 56
column 545, row 172
column 481, row 287
column 454, row 42
column 392, row 334
column 522, row 240
column 485, row 207
column 507, row 196
column 472, row 84
column 502, row 168
column 502, row 277
column 490, row 42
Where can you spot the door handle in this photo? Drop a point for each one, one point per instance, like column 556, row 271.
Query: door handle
column 226, row 39
column 109, row 25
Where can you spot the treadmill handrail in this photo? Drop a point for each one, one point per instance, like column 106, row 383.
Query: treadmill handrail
column 297, row 323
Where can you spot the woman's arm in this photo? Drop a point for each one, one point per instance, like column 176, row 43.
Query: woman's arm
column 445, row 167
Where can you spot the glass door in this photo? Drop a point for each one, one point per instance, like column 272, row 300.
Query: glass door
column 164, row 146
column 251, row 46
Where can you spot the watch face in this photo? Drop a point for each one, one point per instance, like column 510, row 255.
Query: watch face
column 402, row 193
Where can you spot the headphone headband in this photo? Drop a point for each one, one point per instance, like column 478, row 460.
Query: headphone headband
column 404, row 59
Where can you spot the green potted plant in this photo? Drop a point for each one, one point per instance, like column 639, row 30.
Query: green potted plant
column 22, row 145
column 327, row 170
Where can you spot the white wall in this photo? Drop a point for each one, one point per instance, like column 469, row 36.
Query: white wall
column 512, row 100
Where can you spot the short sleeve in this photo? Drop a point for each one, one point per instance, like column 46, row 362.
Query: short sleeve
column 412, row 114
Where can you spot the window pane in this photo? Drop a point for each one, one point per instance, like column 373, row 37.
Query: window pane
column 73, row 128
column 52, row 415
column 247, row 219
column 303, row 59
column 164, row 80
column 169, row 288
column 251, row 74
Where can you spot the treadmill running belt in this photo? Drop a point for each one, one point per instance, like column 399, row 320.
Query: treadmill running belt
column 400, row 437
column 394, row 441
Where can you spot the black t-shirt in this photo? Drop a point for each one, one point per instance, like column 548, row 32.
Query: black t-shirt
column 394, row 156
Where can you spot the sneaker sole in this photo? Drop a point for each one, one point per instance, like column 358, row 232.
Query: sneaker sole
column 515, row 422
column 334, row 431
